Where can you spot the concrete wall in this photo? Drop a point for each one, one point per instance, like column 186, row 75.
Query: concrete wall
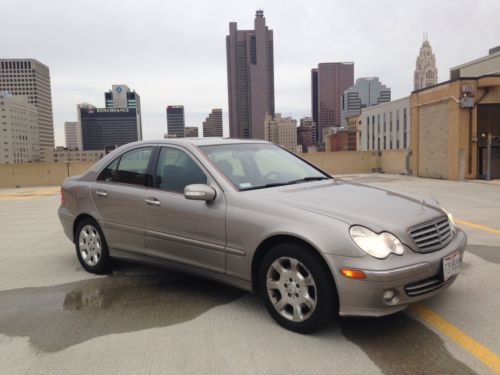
column 343, row 162
column 39, row 174
column 433, row 141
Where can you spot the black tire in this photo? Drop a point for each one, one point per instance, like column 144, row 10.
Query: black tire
column 102, row 263
column 324, row 291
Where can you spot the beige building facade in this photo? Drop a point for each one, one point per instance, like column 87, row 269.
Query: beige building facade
column 489, row 64
column 72, row 135
column 281, row 131
column 19, row 138
column 31, row 78
column 455, row 129
column 386, row 126
column 63, row 155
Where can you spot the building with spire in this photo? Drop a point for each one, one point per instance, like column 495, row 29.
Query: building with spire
column 426, row 73
column 250, row 78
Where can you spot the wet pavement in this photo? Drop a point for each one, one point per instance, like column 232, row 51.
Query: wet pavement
column 55, row 318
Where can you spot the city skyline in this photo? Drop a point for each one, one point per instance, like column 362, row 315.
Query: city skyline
column 78, row 76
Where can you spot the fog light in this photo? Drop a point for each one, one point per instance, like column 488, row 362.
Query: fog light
column 389, row 295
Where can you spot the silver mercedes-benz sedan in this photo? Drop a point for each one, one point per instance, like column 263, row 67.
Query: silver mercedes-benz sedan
column 255, row 216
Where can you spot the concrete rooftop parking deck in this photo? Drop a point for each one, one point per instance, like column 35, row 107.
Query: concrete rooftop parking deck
column 55, row 318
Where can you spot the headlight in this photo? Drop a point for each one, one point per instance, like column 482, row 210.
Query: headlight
column 450, row 218
column 377, row 245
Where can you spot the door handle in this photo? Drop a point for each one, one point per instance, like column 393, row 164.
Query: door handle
column 101, row 193
column 152, row 201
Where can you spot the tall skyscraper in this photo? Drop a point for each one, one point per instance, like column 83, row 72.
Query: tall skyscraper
column 426, row 73
column 366, row 92
column 115, row 125
column 31, row 78
column 212, row 126
column 314, row 96
column 71, row 135
column 328, row 82
column 18, row 130
column 175, row 121
column 250, row 78
column 120, row 96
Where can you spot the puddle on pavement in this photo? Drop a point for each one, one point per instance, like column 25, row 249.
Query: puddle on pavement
column 489, row 253
column 58, row 317
column 399, row 344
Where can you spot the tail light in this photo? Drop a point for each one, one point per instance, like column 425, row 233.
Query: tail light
column 62, row 197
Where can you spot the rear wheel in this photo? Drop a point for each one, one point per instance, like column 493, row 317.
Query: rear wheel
column 297, row 288
column 91, row 247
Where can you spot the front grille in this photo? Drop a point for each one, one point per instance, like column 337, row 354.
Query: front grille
column 432, row 236
column 425, row 286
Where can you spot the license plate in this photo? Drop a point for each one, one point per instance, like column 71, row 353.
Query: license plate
column 451, row 265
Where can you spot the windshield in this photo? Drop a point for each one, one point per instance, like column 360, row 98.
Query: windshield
column 260, row 165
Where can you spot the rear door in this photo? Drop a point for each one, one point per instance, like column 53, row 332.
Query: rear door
column 119, row 195
column 177, row 229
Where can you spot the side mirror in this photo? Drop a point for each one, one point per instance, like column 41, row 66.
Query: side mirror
column 200, row 192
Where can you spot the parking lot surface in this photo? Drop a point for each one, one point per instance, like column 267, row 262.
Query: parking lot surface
column 56, row 318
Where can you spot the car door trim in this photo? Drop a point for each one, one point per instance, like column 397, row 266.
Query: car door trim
column 116, row 226
column 185, row 241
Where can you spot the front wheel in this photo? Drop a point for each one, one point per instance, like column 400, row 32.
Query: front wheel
column 91, row 247
column 297, row 288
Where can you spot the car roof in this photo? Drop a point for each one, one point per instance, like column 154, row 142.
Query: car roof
column 208, row 141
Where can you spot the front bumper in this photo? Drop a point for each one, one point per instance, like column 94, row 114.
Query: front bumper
column 419, row 273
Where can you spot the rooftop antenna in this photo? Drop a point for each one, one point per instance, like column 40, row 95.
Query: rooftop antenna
column 425, row 36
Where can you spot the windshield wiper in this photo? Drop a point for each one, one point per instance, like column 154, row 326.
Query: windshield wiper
column 274, row 184
column 305, row 179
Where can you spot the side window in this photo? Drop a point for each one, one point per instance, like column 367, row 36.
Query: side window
column 176, row 170
column 130, row 168
column 109, row 172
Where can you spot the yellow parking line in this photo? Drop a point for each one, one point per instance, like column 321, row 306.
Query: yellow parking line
column 477, row 226
column 485, row 355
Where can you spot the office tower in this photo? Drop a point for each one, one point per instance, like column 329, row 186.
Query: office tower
column 281, row 131
column 212, row 126
column 366, row 92
column 328, row 82
column 426, row 73
column 191, row 132
column 175, row 121
column 314, row 95
column 306, row 133
column 250, row 78
column 71, row 134
column 115, row 125
column 19, row 137
column 31, row 78
column 120, row 96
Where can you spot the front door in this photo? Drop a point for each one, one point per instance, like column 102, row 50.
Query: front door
column 185, row 231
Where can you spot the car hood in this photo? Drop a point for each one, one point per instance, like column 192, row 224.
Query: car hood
column 375, row 208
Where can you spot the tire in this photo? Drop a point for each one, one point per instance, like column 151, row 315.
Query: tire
column 309, row 301
column 91, row 247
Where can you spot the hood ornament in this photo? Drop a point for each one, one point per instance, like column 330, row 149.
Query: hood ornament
column 422, row 204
